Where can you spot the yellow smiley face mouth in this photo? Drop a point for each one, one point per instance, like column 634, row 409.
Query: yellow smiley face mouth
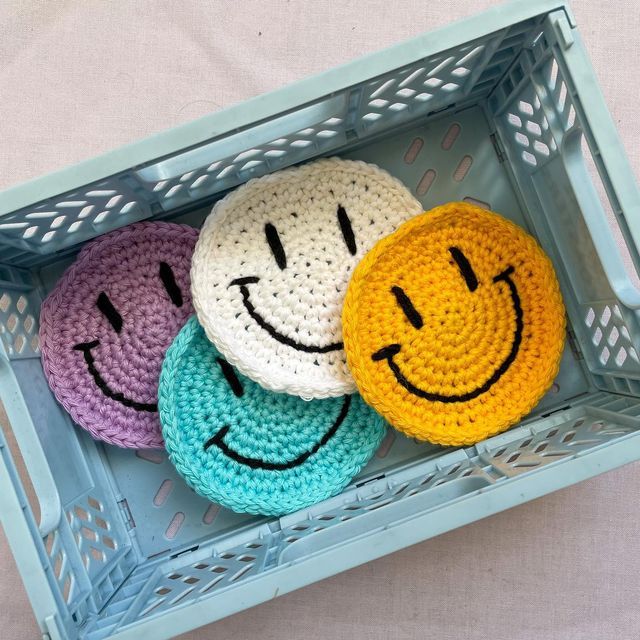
column 387, row 353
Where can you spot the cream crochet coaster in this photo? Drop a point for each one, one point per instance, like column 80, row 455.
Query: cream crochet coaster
column 272, row 264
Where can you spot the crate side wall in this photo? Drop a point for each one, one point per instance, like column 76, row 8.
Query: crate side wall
column 90, row 553
column 548, row 146
column 190, row 177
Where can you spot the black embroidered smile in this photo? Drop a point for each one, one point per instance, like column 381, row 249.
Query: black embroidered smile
column 270, row 329
column 86, row 348
column 387, row 353
column 255, row 463
column 108, row 310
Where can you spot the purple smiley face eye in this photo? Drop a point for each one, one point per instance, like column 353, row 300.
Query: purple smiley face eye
column 107, row 324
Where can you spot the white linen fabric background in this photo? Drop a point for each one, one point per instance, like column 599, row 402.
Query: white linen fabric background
column 79, row 78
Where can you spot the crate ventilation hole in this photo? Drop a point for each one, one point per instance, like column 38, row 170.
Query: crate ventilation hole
column 250, row 162
column 429, row 177
column 18, row 328
column 440, row 79
column 610, row 336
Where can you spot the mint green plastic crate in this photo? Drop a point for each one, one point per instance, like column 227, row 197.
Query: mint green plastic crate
column 502, row 109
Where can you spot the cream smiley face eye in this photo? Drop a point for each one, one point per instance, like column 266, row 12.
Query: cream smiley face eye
column 272, row 265
column 275, row 245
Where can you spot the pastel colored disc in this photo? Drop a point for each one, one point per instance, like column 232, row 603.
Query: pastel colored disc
column 272, row 264
column 250, row 449
column 454, row 325
column 106, row 325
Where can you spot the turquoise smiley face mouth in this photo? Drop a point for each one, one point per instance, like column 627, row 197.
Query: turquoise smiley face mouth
column 255, row 463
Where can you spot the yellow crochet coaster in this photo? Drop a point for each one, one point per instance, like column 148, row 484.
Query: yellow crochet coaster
column 454, row 325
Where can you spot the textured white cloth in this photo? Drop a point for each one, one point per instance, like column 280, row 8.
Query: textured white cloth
column 272, row 264
column 78, row 78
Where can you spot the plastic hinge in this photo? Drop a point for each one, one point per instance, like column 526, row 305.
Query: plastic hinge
column 562, row 28
column 574, row 345
column 497, row 145
column 502, row 439
column 449, row 459
column 52, row 628
column 126, row 513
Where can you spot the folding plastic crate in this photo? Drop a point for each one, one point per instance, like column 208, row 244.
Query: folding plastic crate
column 502, row 109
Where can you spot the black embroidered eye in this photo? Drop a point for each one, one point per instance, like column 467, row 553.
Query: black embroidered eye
column 276, row 246
column 407, row 307
column 347, row 230
column 229, row 373
column 109, row 311
column 170, row 284
column 465, row 268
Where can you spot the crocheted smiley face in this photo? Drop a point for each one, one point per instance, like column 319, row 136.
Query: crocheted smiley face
column 253, row 450
column 454, row 325
column 272, row 264
column 105, row 327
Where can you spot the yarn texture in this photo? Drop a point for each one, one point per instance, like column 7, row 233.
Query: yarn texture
column 252, row 450
column 106, row 325
column 454, row 325
column 272, row 265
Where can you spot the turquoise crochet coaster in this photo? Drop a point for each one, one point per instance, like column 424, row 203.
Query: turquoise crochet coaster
column 252, row 450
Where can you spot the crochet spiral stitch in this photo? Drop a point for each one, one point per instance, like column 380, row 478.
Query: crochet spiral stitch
column 454, row 325
column 106, row 325
column 272, row 264
column 253, row 450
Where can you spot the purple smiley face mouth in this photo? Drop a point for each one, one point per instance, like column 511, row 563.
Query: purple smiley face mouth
column 107, row 324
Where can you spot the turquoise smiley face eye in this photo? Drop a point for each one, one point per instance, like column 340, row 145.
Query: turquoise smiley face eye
column 253, row 450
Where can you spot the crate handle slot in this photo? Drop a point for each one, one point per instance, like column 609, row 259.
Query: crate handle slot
column 603, row 234
column 30, row 448
column 253, row 138
column 614, row 171
column 22, row 534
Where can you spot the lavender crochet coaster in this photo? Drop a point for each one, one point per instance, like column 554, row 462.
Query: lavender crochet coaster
column 106, row 325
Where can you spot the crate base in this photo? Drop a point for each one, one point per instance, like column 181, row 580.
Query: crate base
column 158, row 499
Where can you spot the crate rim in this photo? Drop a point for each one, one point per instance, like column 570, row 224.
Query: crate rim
column 267, row 105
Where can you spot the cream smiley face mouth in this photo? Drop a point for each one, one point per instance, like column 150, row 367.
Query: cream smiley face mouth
column 269, row 328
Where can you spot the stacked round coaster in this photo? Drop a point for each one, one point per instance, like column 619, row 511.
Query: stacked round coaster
column 250, row 449
column 105, row 327
column 454, row 325
column 272, row 264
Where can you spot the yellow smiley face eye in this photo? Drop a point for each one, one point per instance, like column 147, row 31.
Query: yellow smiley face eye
column 454, row 325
